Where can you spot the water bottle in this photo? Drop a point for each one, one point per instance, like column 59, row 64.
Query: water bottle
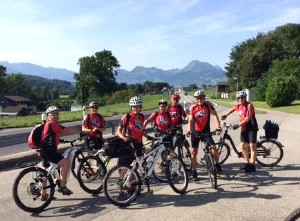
column 44, row 118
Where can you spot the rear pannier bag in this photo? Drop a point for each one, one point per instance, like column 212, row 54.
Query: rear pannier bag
column 271, row 129
column 117, row 148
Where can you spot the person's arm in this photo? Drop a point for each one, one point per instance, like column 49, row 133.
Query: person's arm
column 190, row 121
column 69, row 130
column 216, row 118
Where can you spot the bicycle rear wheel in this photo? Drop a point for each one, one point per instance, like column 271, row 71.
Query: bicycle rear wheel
column 224, row 152
column 211, row 170
column 122, row 185
column 27, row 188
column 177, row 175
column 269, row 153
column 78, row 159
column 159, row 170
column 90, row 174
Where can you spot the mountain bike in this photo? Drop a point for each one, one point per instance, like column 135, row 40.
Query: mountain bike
column 122, row 183
column 269, row 150
column 208, row 157
column 29, row 183
column 182, row 145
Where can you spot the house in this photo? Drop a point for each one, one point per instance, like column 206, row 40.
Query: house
column 15, row 105
column 222, row 87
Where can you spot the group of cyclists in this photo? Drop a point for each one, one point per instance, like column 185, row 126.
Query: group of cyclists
column 132, row 126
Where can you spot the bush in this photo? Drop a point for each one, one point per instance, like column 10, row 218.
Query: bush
column 281, row 91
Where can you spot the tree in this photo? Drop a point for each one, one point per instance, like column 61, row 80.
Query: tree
column 17, row 84
column 96, row 75
column 2, row 78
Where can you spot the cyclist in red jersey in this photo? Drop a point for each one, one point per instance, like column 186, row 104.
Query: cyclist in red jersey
column 176, row 110
column 49, row 145
column 131, row 126
column 248, row 123
column 94, row 124
column 199, row 122
column 162, row 119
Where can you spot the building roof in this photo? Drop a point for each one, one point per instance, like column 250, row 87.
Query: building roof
column 223, row 83
column 17, row 98
column 12, row 109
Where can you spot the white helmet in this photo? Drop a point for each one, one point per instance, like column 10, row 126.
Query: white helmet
column 52, row 109
column 241, row 94
column 199, row 93
column 135, row 101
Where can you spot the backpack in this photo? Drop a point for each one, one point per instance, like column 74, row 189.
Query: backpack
column 35, row 136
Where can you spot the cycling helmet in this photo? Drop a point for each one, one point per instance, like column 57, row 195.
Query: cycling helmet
column 135, row 101
column 163, row 102
column 94, row 104
column 199, row 93
column 175, row 97
column 241, row 94
column 51, row 110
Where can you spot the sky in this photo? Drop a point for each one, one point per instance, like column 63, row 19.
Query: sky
column 165, row 34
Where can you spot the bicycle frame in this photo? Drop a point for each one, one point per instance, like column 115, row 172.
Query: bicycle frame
column 226, row 136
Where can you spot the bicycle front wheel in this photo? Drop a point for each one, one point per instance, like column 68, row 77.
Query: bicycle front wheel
column 159, row 170
column 90, row 174
column 224, row 151
column 77, row 159
column 122, row 185
column 269, row 153
column 27, row 189
column 177, row 175
column 211, row 170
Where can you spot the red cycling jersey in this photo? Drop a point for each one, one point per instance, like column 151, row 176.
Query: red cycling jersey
column 135, row 126
column 244, row 110
column 56, row 130
column 162, row 120
column 176, row 112
column 92, row 121
column 201, row 115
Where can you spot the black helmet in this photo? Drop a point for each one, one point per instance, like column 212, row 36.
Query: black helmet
column 94, row 104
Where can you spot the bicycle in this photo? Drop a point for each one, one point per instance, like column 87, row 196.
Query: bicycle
column 33, row 179
column 122, row 183
column 208, row 157
column 269, row 150
column 179, row 141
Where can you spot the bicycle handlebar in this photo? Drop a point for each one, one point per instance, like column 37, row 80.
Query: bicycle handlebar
column 70, row 141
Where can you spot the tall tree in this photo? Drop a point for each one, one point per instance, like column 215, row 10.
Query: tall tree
column 96, row 75
column 2, row 78
column 17, row 84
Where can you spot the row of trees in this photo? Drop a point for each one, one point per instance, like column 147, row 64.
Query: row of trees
column 270, row 64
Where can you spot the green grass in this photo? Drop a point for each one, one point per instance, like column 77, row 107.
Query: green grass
column 150, row 102
column 293, row 109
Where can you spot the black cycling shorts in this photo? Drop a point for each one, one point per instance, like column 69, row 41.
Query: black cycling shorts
column 50, row 155
column 248, row 136
column 196, row 140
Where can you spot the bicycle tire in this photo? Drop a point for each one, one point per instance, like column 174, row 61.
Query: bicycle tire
column 269, row 152
column 77, row 160
column 29, row 200
column 185, row 155
column 211, row 170
column 115, row 191
column 177, row 175
column 90, row 174
column 224, row 151
column 295, row 215
column 159, row 170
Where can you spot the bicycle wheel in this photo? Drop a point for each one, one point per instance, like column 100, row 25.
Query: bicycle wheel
column 90, row 174
column 224, row 152
column 269, row 153
column 27, row 188
column 159, row 170
column 185, row 155
column 78, row 158
column 211, row 170
column 122, row 185
column 177, row 175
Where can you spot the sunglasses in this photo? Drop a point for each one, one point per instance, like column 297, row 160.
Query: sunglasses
column 163, row 106
column 201, row 98
column 94, row 107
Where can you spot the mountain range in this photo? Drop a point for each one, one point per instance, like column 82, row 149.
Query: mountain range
column 195, row 72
